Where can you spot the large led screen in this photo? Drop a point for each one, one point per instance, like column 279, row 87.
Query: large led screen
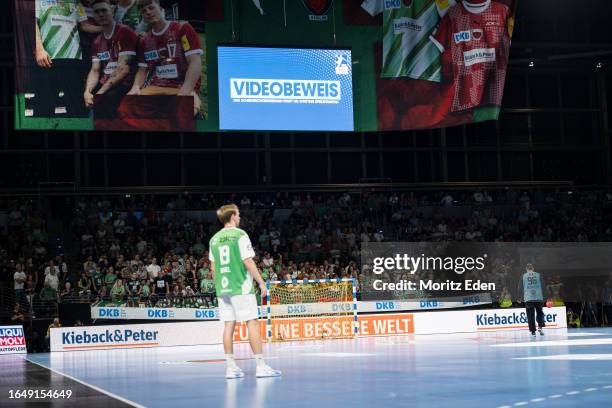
column 285, row 89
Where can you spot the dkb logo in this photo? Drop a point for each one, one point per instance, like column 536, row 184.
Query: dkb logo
column 462, row 36
column 109, row 312
column 393, row 4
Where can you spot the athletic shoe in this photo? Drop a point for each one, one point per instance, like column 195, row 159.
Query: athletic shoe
column 533, row 334
column 233, row 372
column 541, row 331
column 266, row 371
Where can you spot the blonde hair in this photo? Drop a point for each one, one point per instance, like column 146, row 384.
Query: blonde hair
column 224, row 214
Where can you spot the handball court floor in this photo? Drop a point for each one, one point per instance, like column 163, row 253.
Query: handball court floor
column 565, row 368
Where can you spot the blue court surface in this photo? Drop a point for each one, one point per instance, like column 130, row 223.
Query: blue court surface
column 565, row 368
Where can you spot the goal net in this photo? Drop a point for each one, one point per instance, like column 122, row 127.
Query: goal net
column 311, row 309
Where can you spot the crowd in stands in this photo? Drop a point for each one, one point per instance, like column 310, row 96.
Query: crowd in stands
column 153, row 249
column 24, row 243
column 24, row 233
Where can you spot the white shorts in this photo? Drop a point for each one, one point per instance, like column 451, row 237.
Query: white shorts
column 238, row 308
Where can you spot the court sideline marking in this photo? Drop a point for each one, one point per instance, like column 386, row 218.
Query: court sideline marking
column 108, row 393
column 569, row 357
column 213, row 360
column 556, row 396
column 555, row 343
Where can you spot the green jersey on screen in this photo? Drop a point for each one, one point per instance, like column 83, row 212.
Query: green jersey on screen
column 58, row 22
column 407, row 25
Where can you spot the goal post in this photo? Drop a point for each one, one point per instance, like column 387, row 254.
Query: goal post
column 311, row 309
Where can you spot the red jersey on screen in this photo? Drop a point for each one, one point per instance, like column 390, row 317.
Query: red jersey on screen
column 107, row 50
column 164, row 54
column 475, row 43
column 414, row 104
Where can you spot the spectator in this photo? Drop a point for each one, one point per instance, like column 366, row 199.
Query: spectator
column 30, row 287
column 207, row 284
column 52, row 279
column 89, row 266
column 573, row 320
column 161, row 286
column 188, row 292
column 19, row 278
column 67, row 292
column 267, row 260
column 153, row 269
column 84, row 285
column 176, row 296
column 134, row 289
column 51, row 266
column 48, row 298
column 62, row 267
column 505, row 299
column 110, row 278
column 204, row 269
column 48, row 293
column 554, row 289
column 177, row 270
column 17, row 317
column 102, row 293
column 118, row 291
column 55, row 324
column 141, row 270
column 145, row 293
column 97, row 279
column 190, row 271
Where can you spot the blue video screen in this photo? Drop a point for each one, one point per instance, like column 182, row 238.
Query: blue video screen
column 291, row 89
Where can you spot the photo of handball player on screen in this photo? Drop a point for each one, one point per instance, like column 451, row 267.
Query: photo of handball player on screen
column 58, row 55
column 169, row 59
column 113, row 54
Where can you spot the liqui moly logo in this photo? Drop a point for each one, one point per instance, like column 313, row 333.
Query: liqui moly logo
column 12, row 340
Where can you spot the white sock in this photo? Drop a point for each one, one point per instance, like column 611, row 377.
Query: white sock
column 259, row 360
column 229, row 359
